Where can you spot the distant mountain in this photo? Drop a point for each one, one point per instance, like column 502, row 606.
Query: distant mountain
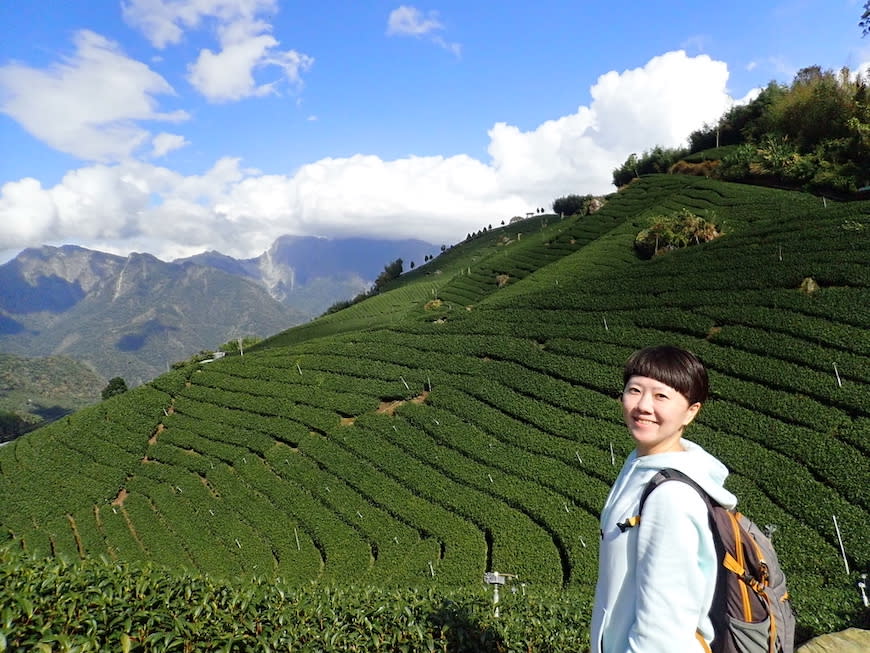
column 133, row 316
column 129, row 317
column 311, row 274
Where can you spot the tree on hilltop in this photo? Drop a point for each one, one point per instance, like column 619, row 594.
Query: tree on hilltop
column 569, row 205
column 116, row 386
column 391, row 271
column 658, row 160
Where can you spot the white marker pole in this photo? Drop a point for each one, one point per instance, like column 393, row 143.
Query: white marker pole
column 840, row 537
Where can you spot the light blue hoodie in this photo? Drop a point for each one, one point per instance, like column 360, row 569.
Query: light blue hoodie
column 656, row 581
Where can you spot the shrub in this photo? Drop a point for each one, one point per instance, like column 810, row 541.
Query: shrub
column 802, row 170
column 657, row 160
column 570, row 204
column 831, row 177
column 679, row 229
column 116, row 386
column 775, row 157
column 702, row 169
column 735, row 165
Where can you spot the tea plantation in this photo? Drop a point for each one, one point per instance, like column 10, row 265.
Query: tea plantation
column 345, row 485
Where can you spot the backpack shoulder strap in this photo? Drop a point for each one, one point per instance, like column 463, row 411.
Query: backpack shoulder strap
column 663, row 476
column 669, row 474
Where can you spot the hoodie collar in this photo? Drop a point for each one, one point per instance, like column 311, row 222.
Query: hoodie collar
column 695, row 462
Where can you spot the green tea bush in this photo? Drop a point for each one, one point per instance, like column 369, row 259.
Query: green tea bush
column 95, row 605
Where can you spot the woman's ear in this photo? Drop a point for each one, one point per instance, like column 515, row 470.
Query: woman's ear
column 691, row 413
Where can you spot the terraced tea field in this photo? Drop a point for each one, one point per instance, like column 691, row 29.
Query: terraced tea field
column 467, row 421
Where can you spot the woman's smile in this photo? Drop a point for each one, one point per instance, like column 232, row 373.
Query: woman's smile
column 655, row 414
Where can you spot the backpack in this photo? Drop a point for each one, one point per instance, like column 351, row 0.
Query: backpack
column 751, row 611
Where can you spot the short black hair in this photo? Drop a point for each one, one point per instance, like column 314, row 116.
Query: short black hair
column 673, row 366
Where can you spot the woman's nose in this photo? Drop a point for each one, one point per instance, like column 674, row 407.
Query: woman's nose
column 644, row 402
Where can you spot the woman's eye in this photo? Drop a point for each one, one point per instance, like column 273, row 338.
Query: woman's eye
column 661, row 396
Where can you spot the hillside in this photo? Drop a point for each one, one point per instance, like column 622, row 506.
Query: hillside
column 464, row 420
column 43, row 389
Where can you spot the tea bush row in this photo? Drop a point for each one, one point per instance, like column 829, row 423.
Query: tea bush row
column 538, row 487
column 462, row 544
column 401, row 549
column 815, row 504
column 341, row 402
column 513, row 536
column 95, row 605
column 813, row 329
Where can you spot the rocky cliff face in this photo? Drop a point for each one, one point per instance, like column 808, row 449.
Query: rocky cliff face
column 53, row 279
column 75, row 265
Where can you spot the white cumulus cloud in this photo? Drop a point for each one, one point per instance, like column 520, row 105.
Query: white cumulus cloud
column 229, row 74
column 638, row 108
column 28, row 215
column 88, row 105
column 410, row 21
column 164, row 22
column 136, row 206
column 164, row 143
column 246, row 44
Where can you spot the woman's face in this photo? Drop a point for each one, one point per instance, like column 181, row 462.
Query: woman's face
column 655, row 415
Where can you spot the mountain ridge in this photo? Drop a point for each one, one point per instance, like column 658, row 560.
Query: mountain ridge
column 129, row 316
column 294, row 261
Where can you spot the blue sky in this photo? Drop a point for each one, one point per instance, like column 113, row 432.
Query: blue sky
column 178, row 126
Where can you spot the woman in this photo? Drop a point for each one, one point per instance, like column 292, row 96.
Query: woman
column 656, row 582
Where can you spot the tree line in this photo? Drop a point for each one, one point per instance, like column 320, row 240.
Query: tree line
column 812, row 134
